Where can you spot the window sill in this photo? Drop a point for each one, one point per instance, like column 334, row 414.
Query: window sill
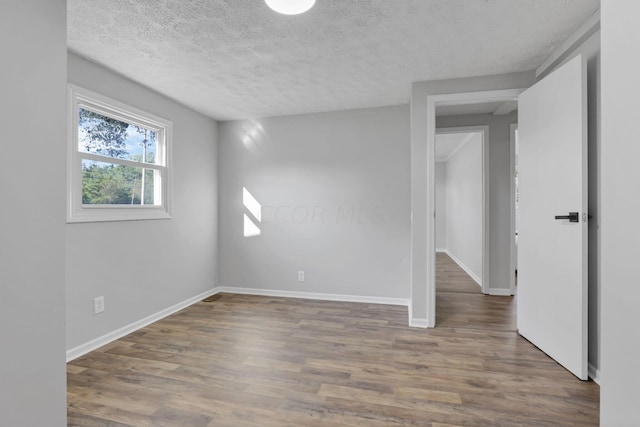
column 117, row 214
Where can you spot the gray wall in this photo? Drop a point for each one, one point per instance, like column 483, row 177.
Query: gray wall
column 422, row 175
column 335, row 194
column 143, row 267
column 441, row 206
column 464, row 200
column 32, row 190
column 499, row 188
column 620, row 236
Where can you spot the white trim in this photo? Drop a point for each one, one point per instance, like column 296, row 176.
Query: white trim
column 77, row 212
column 96, row 343
column 469, row 98
column 513, row 259
column 590, row 27
column 119, row 161
column 419, row 323
column 431, row 212
column 441, row 250
column 500, row 292
column 313, row 295
column 466, row 269
column 594, row 374
column 432, row 101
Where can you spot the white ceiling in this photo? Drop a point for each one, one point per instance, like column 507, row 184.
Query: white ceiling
column 448, row 144
column 235, row 59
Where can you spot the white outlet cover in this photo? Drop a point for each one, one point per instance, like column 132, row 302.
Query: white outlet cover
column 98, row 305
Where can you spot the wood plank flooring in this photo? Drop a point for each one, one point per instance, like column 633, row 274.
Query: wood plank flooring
column 261, row 361
column 461, row 304
column 451, row 278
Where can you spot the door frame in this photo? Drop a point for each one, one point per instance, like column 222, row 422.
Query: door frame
column 513, row 254
column 433, row 101
column 484, row 130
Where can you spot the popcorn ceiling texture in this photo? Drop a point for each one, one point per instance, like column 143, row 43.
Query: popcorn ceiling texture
column 233, row 59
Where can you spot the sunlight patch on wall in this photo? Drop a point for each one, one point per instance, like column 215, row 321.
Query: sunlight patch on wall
column 255, row 209
column 252, row 135
column 250, row 229
column 252, row 204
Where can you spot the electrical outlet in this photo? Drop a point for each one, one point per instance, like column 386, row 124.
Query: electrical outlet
column 98, row 305
column 300, row 276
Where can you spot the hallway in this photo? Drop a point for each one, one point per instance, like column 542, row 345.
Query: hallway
column 461, row 304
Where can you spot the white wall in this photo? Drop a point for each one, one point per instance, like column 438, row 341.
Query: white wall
column 441, row 206
column 143, row 267
column 464, row 203
column 335, row 194
column 32, row 190
column 422, row 176
column 620, row 235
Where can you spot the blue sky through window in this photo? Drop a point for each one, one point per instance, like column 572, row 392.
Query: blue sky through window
column 131, row 145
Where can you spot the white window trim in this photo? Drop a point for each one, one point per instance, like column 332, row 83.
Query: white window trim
column 77, row 212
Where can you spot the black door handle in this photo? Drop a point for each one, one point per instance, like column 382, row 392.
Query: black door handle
column 572, row 217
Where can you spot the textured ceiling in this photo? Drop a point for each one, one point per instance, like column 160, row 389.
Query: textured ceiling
column 235, row 59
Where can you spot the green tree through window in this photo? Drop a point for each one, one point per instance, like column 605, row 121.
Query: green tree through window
column 106, row 183
column 119, row 160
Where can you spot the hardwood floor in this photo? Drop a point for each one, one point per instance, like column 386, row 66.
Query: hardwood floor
column 461, row 304
column 451, row 278
column 261, row 361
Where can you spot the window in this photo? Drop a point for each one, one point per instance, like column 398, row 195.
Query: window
column 118, row 161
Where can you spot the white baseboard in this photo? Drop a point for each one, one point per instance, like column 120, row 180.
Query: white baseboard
column 126, row 330
column 312, row 295
column 441, row 250
column 132, row 327
column 466, row 269
column 594, row 374
column 418, row 323
column 500, row 292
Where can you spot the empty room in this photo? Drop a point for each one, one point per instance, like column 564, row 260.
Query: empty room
column 303, row 213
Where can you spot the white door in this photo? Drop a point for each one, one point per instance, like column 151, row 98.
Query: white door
column 552, row 252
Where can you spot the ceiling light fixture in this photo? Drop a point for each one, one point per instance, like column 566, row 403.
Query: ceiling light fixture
column 290, row 7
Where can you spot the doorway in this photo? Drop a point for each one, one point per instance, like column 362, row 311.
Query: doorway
column 463, row 298
column 490, row 276
column 460, row 233
column 460, row 199
column 552, row 260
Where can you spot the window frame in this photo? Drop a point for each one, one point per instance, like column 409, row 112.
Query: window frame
column 78, row 212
